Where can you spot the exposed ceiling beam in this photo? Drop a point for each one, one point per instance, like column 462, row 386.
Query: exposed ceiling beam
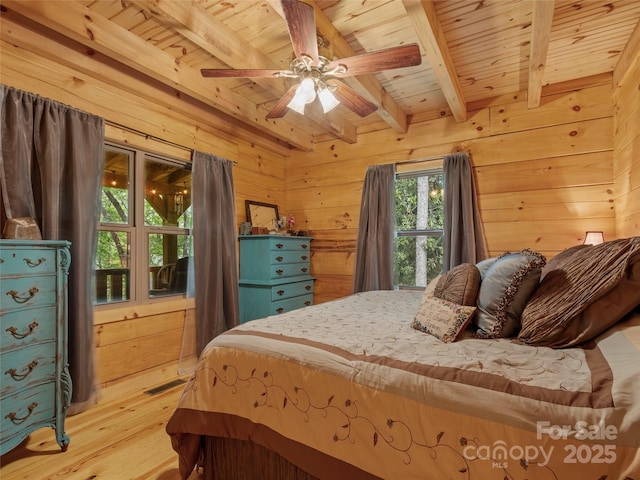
column 388, row 109
column 92, row 30
column 542, row 18
column 425, row 22
column 193, row 22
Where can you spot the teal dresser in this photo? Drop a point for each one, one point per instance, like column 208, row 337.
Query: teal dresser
column 275, row 275
column 35, row 387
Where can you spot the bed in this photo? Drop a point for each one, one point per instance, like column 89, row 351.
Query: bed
column 354, row 389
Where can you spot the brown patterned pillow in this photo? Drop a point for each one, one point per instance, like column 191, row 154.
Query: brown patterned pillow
column 431, row 287
column 441, row 318
column 559, row 261
column 591, row 291
column 459, row 285
column 508, row 281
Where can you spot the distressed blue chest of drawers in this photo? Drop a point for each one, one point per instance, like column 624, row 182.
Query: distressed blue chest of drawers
column 275, row 275
column 35, row 387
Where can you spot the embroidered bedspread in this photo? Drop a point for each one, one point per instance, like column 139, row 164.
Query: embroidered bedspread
column 353, row 380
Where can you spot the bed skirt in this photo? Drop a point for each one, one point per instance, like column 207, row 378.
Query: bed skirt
column 226, row 458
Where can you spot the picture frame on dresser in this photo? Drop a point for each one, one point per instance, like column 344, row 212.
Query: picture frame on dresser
column 35, row 385
column 262, row 215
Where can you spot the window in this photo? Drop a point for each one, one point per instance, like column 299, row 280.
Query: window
column 144, row 233
column 419, row 217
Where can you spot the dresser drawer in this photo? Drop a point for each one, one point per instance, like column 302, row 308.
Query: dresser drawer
column 288, row 290
column 27, row 367
column 20, row 293
column 289, row 270
column 25, row 409
column 27, row 262
column 289, row 256
column 282, row 306
column 24, row 327
column 278, row 243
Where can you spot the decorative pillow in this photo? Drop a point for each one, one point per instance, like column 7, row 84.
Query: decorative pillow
column 594, row 288
column 508, row 281
column 441, row 318
column 432, row 286
column 459, row 285
column 559, row 261
column 484, row 265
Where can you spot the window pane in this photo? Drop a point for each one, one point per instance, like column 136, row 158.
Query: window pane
column 419, row 220
column 167, row 195
column 168, row 263
column 420, row 202
column 418, row 259
column 112, row 269
column 115, row 187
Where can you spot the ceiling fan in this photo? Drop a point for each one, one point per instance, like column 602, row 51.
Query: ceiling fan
column 319, row 75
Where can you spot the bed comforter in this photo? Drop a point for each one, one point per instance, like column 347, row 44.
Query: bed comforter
column 352, row 380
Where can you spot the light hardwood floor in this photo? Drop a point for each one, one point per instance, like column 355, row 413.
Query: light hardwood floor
column 121, row 438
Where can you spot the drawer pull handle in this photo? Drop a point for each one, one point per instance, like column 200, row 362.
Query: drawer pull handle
column 279, row 310
column 279, row 259
column 279, row 245
column 31, row 263
column 21, row 376
column 307, row 287
column 307, row 303
column 18, row 299
column 279, row 272
column 304, row 245
column 14, row 331
column 280, row 292
column 13, row 416
column 303, row 269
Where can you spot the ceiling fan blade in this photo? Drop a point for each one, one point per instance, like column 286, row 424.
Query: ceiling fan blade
column 240, row 73
column 280, row 109
column 351, row 99
column 395, row 57
column 301, row 22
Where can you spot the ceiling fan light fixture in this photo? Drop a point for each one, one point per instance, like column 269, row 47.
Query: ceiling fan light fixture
column 313, row 62
column 328, row 100
column 297, row 105
column 305, row 93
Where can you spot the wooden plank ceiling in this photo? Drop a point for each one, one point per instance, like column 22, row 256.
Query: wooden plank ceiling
column 471, row 51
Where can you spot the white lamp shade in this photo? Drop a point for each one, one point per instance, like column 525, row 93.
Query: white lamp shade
column 328, row 100
column 296, row 105
column 593, row 238
column 305, row 93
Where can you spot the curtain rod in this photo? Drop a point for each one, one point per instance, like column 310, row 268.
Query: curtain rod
column 420, row 160
column 147, row 136
column 153, row 137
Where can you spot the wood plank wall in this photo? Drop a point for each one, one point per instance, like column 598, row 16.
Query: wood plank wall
column 627, row 149
column 544, row 176
column 141, row 341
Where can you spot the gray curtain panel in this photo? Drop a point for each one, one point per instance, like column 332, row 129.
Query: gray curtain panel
column 214, row 247
column 51, row 170
column 464, row 240
column 374, row 246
